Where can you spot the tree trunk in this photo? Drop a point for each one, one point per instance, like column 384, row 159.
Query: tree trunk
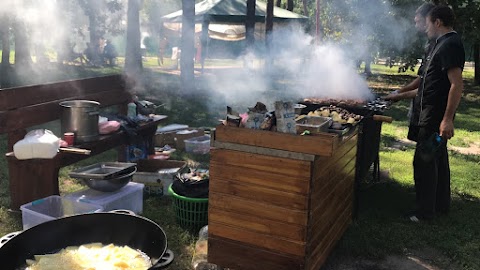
column 187, row 75
column 290, row 5
column 278, row 3
column 5, row 67
column 476, row 58
column 133, row 54
column 268, row 34
column 368, row 69
column 318, row 22
column 305, row 7
column 5, row 36
column 22, row 49
column 250, row 24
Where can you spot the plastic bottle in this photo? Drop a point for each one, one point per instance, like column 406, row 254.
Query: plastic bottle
column 199, row 260
column 431, row 146
column 132, row 109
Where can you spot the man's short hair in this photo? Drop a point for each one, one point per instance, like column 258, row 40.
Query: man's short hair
column 444, row 14
column 424, row 9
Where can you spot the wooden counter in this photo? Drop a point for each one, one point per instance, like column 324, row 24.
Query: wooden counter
column 278, row 201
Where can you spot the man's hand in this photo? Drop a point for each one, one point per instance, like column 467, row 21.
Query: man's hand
column 446, row 129
column 393, row 96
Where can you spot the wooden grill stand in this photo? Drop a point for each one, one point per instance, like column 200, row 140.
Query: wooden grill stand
column 24, row 107
column 278, row 201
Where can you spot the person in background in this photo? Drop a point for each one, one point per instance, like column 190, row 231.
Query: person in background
column 436, row 101
column 109, row 53
column 162, row 46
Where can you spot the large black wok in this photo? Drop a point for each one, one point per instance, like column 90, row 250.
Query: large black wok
column 117, row 228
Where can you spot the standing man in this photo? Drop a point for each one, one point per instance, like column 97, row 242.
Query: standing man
column 420, row 24
column 434, row 109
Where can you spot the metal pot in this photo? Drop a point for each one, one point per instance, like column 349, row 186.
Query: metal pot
column 117, row 228
column 81, row 118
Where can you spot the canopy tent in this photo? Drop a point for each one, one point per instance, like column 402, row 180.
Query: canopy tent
column 220, row 31
column 227, row 18
column 233, row 11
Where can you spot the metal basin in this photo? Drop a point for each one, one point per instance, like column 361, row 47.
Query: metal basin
column 110, row 184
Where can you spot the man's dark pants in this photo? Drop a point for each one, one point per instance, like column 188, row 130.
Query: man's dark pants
column 432, row 176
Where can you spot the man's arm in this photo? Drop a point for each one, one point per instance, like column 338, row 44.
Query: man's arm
column 406, row 92
column 454, row 96
column 411, row 86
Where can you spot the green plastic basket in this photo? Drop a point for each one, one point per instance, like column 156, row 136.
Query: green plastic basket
column 191, row 213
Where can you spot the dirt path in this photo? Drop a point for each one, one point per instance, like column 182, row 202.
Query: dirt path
column 472, row 149
column 428, row 259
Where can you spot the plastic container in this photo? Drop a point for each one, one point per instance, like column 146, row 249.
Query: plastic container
column 191, row 213
column 53, row 207
column 200, row 257
column 198, row 145
column 132, row 109
column 130, row 197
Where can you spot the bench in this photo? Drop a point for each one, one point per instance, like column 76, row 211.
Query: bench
column 23, row 108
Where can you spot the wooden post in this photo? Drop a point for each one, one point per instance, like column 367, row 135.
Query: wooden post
column 268, row 33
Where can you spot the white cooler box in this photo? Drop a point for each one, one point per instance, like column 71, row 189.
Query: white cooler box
column 130, row 197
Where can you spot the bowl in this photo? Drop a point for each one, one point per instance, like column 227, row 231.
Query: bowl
column 110, row 184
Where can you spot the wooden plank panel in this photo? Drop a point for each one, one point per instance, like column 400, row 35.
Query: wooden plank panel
column 281, row 166
column 263, row 151
column 272, row 243
column 324, row 186
column 323, row 164
column 336, row 195
column 325, row 220
column 323, row 144
column 321, row 252
column 262, row 226
column 260, row 210
column 12, row 98
column 240, row 256
column 42, row 113
column 271, row 180
column 257, row 193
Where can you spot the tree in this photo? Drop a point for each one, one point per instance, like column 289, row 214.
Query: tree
column 250, row 24
column 187, row 46
column 5, row 39
column 23, row 58
column 133, row 54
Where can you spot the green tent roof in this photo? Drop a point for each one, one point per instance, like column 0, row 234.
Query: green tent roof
column 233, row 11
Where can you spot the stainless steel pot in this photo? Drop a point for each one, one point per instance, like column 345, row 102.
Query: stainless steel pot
column 81, row 118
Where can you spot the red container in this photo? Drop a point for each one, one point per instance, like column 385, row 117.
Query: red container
column 69, row 137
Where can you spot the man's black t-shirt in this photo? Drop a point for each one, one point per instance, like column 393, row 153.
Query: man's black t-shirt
column 431, row 100
column 426, row 51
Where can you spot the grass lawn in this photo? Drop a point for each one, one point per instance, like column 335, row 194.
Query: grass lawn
column 379, row 229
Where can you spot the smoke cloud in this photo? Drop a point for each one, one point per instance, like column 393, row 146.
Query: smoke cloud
column 303, row 69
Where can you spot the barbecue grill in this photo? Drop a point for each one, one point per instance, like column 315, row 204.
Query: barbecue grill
column 369, row 131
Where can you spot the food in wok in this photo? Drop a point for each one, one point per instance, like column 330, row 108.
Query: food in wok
column 92, row 257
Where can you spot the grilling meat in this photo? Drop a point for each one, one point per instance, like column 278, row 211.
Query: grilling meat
column 337, row 102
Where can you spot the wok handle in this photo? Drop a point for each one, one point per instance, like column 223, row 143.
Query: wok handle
column 123, row 211
column 4, row 239
column 164, row 261
column 382, row 118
